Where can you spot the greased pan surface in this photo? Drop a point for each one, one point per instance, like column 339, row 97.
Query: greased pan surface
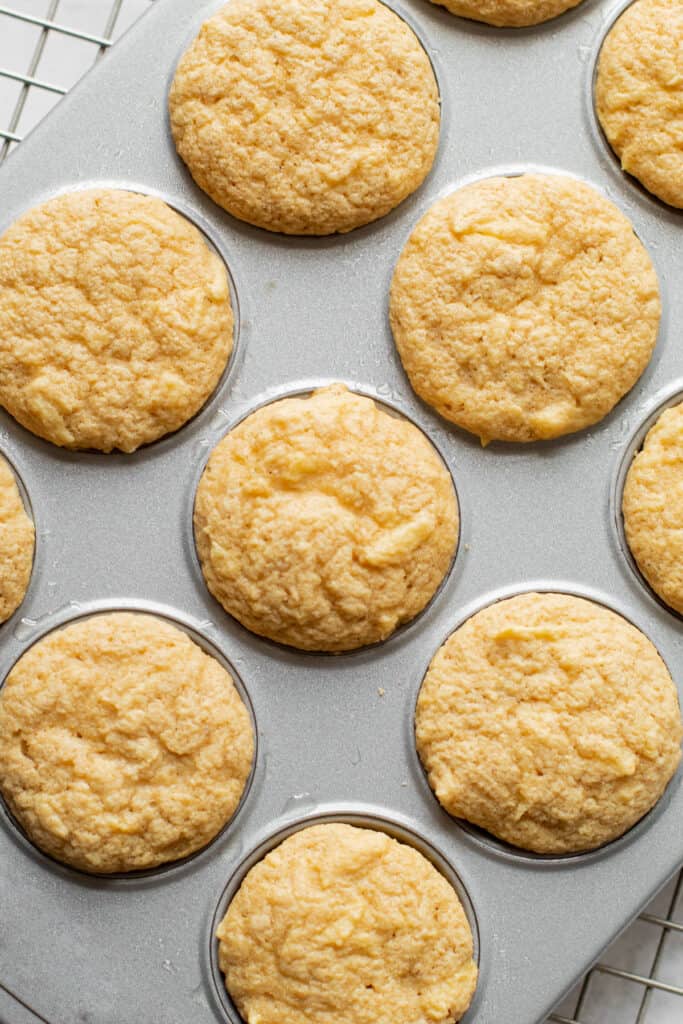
column 335, row 735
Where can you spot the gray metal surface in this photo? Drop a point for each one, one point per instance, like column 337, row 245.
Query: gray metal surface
column 335, row 734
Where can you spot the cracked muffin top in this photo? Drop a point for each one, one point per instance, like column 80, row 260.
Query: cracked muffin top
column 306, row 116
column 325, row 522
column 115, row 320
column 345, row 925
column 549, row 721
column 123, row 745
column 524, row 307
column 17, row 544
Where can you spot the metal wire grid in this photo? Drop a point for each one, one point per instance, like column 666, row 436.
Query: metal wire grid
column 48, row 23
column 577, row 1009
column 646, row 984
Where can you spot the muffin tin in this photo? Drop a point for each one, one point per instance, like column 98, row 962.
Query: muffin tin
column 335, row 734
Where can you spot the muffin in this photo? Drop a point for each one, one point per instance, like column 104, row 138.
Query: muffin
column 349, row 926
column 524, row 308
column 123, row 745
column 307, row 117
column 17, row 544
column 115, row 320
column 639, row 95
column 508, row 13
column 549, row 721
column 325, row 522
column 653, row 508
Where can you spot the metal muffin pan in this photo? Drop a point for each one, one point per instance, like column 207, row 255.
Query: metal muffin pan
column 335, row 734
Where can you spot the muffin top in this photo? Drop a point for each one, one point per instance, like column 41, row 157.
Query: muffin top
column 325, row 522
column 653, row 508
column 345, row 925
column 508, row 13
column 549, row 721
column 115, row 320
column 524, row 307
column 306, row 116
column 639, row 95
column 122, row 744
column 17, row 544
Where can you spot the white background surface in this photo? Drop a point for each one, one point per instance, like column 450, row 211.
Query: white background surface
column 642, row 950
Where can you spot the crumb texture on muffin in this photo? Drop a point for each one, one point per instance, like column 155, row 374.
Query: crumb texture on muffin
column 115, row 320
column 508, row 13
column 524, row 308
column 17, row 543
column 549, row 721
column 639, row 95
column 123, row 745
column 653, row 508
column 344, row 925
column 306, row 116
column 324, row 522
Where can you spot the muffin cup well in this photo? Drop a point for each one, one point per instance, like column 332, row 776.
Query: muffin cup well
column 68, row 616
column 367, row 817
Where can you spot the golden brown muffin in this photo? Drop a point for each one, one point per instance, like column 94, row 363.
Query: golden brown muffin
column 17, row 543
column 549, row 721
column 325, row 522
column 524, row 307
column 639, row 95
column 508, row 13
column 306, row 116
column 115, row 320
column 344, row 925
column 122, row 744
column 653, row 508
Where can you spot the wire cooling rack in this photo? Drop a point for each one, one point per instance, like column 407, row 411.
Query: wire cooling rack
column 45, row 47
